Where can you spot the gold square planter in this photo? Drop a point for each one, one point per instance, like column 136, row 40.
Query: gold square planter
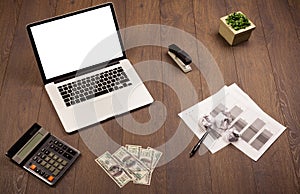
column 232, row 36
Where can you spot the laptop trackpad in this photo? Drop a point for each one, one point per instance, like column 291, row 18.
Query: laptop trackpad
column 107, row 107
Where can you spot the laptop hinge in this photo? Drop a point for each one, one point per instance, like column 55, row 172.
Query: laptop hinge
column 84, row 71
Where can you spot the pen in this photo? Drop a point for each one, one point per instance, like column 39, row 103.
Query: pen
column 197, row 146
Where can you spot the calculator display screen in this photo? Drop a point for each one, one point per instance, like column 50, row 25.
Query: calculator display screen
column 28, row 147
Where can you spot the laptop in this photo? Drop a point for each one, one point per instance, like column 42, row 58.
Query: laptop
column 84, row 67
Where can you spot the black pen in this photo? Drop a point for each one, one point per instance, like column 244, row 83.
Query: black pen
column 197, row 146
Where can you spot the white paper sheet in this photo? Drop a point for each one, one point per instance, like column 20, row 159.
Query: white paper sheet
column 257, row 129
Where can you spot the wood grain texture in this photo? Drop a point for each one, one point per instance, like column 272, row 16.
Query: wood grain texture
column 177, row 94
column 283, row 49
column 250, row 67
column 266, row 67
column 229, row 159
column 20, row 100
column 8, row 21
column 294, row 6
column 139, row 122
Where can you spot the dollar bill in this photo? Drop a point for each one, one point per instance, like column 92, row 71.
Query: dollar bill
column 134, row 149
column 146, row 180
column 111, row 166
column 134, row 166
column 156, row 156
column 146, row 156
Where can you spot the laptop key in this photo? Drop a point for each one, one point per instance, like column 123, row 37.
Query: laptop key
column 124, row 80
column 67, row 100
column 101, row 93
column 63, row 93
column 90, row 96
column 66, row 96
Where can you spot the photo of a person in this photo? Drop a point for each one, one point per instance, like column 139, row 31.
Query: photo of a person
column 129, row 161
column 115, row 171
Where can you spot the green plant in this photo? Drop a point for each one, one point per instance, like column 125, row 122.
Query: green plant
column 237, row 21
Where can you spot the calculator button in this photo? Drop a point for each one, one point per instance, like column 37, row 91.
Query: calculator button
column 34, row 158
column 59, row 160
column 64, row 147
column 60, row 144
column 60, row 151
column 42, row 173
column 39, row 160
column 55, row 157
column 43, row 149
column 39, row 154
column 47, row 152
column 52, row 169
column 60, row 167
column 71, row 151
column 52, row 146
column 64, row 163
column 56, row 164
column 47, row 166
column 43, row 156
column 47, row 159
column 33, row 167
column 55, row 142
column 51, row 161
column 38, row 170
column 56, row 149
column 51, row 154
column 43, row 163
column 56, row 172
column 46, row 176
column 68, row 156
column 50, row 178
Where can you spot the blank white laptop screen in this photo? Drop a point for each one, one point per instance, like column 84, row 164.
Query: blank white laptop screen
column 63, row 45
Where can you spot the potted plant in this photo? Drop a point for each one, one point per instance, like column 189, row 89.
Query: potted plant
column 235, row 28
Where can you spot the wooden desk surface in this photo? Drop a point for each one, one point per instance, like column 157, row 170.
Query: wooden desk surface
column 266, row 67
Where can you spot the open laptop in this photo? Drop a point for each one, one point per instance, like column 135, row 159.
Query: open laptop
column 84, row 67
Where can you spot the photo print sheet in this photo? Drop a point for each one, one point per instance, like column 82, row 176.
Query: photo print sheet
column 256, row 130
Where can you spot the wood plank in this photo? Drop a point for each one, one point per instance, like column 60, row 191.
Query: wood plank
column 250, row 68
column 70, row 6
column 21, row 95
column 8, row 22
column 182, row 170
column 229, row 159
column 207, row 16
column 294, row 6
column 284, row 56
column 139, row 121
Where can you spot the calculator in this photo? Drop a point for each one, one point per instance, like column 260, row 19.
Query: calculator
column 43, row 155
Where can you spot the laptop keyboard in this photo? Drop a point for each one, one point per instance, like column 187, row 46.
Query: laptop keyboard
column 94, row 86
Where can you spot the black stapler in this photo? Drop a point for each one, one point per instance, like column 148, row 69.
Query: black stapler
column 181, row 58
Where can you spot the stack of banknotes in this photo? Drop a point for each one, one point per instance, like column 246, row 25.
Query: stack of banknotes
column 130, row 163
